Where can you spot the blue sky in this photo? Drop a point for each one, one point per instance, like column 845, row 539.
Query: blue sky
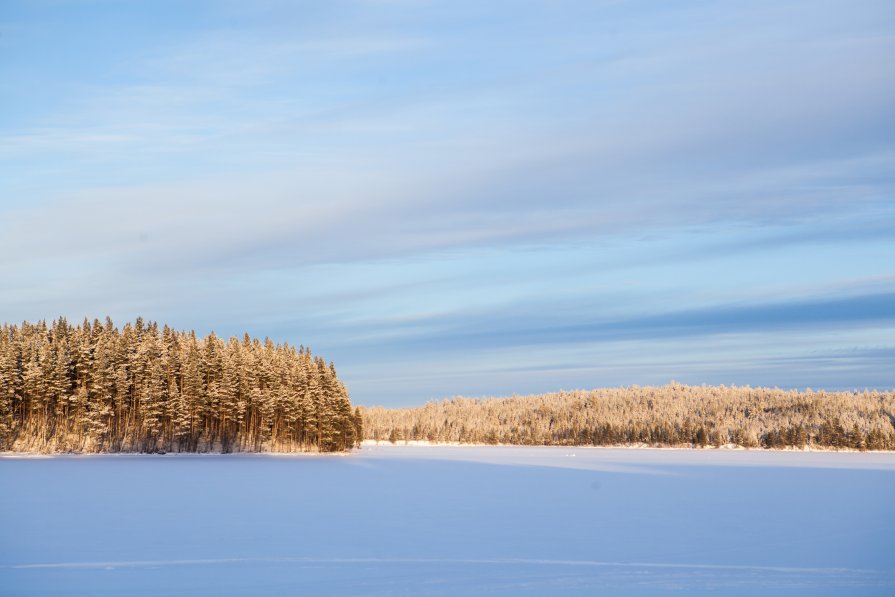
column 476, row 198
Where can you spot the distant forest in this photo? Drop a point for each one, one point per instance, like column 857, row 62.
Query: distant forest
column 95, row 388
column 671, row 415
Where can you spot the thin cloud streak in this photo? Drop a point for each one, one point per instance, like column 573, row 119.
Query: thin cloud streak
column 497, row 330
column 448, row 178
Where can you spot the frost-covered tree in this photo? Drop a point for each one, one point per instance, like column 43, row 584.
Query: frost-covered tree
column 672, row 415
column 93, row 387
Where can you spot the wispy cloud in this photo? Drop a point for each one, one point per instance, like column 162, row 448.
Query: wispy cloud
column 501, row 329
column 422, row 172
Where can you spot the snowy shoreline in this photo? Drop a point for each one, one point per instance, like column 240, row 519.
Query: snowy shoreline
column 728, row 448
column 42, row 455
column 723, row 448
column 368, row 443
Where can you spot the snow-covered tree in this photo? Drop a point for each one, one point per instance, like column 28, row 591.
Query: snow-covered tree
column 94, row 387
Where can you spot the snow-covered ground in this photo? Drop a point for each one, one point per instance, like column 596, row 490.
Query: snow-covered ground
column 445, row 520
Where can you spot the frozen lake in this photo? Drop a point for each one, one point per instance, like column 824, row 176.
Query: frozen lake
column 446, row 520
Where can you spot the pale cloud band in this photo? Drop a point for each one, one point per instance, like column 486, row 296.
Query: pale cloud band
column 405, row 184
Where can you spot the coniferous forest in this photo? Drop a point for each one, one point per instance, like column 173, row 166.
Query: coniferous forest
column 95, row 388
column 671, row 415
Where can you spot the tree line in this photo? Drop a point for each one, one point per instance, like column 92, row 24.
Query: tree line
column 94, row 388
column 671, row 415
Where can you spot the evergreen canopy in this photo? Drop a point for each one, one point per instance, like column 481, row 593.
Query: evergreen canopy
column 95, row 388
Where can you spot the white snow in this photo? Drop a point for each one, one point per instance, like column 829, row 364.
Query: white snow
column 447, row 520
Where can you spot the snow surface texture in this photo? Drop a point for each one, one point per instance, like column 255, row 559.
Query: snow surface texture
column 415, row 520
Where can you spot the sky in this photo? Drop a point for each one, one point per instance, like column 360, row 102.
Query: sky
column 464, row 198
